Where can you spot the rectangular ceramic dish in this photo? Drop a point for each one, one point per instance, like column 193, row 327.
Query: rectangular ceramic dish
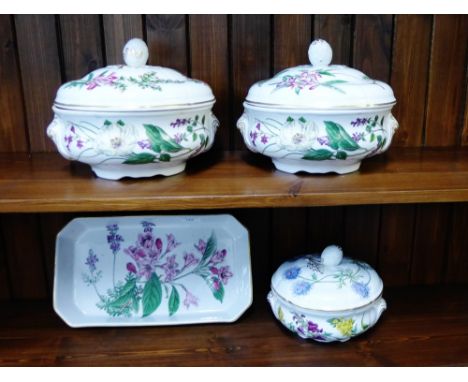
column 152, row 270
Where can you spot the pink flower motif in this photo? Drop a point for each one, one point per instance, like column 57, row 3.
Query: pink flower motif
column 79, row 144
column 144, row 144
column 131, row 268
column 257, row 126
column 264, row 139
column 102, row 80
column 218, row 257
column 170, row 268
column 223, row 273
column 201, row 246
column 190, row 259
column 190, row 299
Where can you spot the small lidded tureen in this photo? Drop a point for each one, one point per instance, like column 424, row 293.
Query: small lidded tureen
column 326, row 298
column 318, row 118
column 133, row 120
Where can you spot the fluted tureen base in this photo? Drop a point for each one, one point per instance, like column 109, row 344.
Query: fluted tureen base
column 316, row 167
column 119, row 171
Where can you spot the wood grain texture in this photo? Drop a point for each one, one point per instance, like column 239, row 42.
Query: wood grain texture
column 209, row 62
column 292, row 35
column 362, row 227
column 337, row 31
column 431, row 230
column 233, row 180
column 410, row 69
column 464, row 135
column 81, row 45
column 447, row 80
column 395, row 244
column 251, row 61
column 167, row 41
column 457, row 250
column 373, row 45
column 24, row 256
column 13, row 135
column 40, row 72
column 422, row 327
column 326, row 227
column 118, row 29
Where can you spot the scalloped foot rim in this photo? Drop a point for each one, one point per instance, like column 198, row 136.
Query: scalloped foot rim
column 316, row 167
column 119, row 171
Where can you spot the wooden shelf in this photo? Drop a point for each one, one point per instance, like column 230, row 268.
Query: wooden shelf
column 49, row 183
column 423, row 326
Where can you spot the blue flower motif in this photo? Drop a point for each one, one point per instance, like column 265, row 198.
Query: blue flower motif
column 302, row 287
column 361, row 289
column 292, row 273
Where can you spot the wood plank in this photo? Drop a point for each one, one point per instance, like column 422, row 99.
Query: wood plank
column 167, row 41
column 81, row 45
column 24, row 256
column 13, row 134
column 233, row 180
column 430, row 243
column 118, row 29
column 326, row 227
column 457, row 252
column 422, row 327
column 337, row 31
column 210, row 63
column 372, row 45
column 362, row 227
column 395, row 244
column 4, row 275
column 251, row 61
column 40, row 72
column 410, row 68
column 464, row 135
column 447, row 80
column 292, row 35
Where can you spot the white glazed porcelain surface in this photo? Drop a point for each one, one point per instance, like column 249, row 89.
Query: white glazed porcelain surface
column 327, row 297
column 318, row 118
column 152, row 270
column 125, row 122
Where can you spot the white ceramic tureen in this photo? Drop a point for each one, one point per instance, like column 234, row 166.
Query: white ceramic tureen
column 326, row 298
column 133, row 120
column 318, row 118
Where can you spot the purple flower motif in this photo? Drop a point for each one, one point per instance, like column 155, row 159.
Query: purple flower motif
column 68, row 139
column 357, row 137
column 313, row 327
column 180, row 122
column 146, row 240
column 102, row 80
column 253, row 137
column 91, row 261
column 218, row 257
column 361, row 289
column 131, row 268
column 113, row 238
column 323, row 140
column 79, row 144
column 170, row 268
column 171, row 242
column 147, row 226
column 257, row 126
column 72, row 129
column 360, row 122
column 190, row 299
column 190, row 259
column 223, row 273
column 145, row 263
column 144, row 144
column 264, row 139
column 304, row 79
column 301, row 288
column 179, row 137
column 292, row 273
column 201, row 246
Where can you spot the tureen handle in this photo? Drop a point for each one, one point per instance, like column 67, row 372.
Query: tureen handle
column 331, row 255
column 135, row 53
column 320, row 53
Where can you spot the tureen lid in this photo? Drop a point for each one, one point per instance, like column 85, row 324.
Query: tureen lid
column 132, row 86
column 329, row 282
column 320, row 85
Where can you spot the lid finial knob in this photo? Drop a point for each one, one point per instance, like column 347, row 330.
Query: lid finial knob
column 320, row 53
column 135, row 53
column 332, row 255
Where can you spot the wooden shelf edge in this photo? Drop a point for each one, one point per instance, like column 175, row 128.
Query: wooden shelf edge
column 423, row 326
column 48, row 183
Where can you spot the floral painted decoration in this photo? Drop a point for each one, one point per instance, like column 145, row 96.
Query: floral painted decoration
column 156, row 271
column 308, row 80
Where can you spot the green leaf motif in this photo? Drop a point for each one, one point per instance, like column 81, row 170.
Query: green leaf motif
column 140, row 158
column 165, row 158
column 216, row 287
column 290, row 119
column 341, row 155
column 123, row 299
column 160, row 141
column 339, row 138
column 174, row 301
column 152, row 295
column 210, row 248
column 302, row 119
column 321, row 154
column 120, row 122
column 203, row 120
